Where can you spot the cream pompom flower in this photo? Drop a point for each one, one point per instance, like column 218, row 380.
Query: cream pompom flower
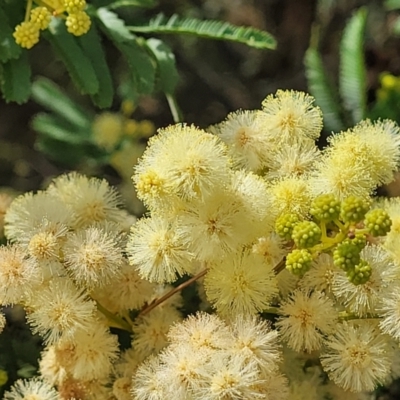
column 375, row 145
column 240, row 284
column 38, row 213
column 357, row 357
column 290, row 195
column 90, row 200
column 322, row 274
column 342, row 175
column 150, row 330
column 358, row 160
column 149, row 381
column 228, row 377
column 34, row 389
column 252, row 192
column 217, row 226
column 92, row 354
column 156, row 249
column 186, row 162
column 19, row 275
column 390, row 312
column 254, row 338
column 93, row 256
column 60, row 310
column 292, row 160
column 290, row 116
column 133, row 291
column 305, row 318
column 201, row 331
column 247, row 143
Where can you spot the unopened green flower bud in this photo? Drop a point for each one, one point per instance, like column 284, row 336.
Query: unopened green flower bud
column 360, row 274
column 378, row 222
column 325, row 208
column 353, row 209
column 299, row 261
column 284, row 225
column 306, row 234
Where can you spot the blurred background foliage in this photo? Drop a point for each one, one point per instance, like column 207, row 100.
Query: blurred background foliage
column 345, row 52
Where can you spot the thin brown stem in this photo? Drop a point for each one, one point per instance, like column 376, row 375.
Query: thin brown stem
column 177, row 289
column 280, row 266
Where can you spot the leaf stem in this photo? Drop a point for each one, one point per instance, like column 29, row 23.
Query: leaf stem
column 173, row 105
column 280, row 266
column 177, row 289
column 28, row 10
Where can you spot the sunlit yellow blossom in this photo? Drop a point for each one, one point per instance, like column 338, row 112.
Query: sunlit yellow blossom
column 290, row 116
column 34, row 389
column 93, row 256
column 240, row 283
column 247, row 142
column 156, row 249
column 60, row 310
column 90, row 200
column 290, row 195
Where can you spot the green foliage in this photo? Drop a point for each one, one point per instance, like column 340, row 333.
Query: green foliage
column 50, row 96
column 325, row 96
column 76, row 61
column 91, row 46
column 132, row 3
column 151, row 63
column 65, row 134
column 352, row 77
column 392, row 4
column 8, row 48
column 15, row 79
column 209, row 29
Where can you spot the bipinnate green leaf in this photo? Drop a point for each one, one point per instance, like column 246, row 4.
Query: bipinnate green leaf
column 57, row 128
column 15, row 79
column 321, row 88
column 352, row 73
column 132, row 3
column 52, row 97
column 8, row 48
column 66, row 46
column 138, row 59
column 166, row 65
column 217, row 30
column 91, row 45
column 392, row 5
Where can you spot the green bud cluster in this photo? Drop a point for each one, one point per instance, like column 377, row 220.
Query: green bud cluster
column 360, row 274
column 353, row 209
column 346, row 255
column 359, row 240
column 306, row 234
column 299, row 261
column 284, row 225
column 325, row 208
column 338, row 227
column 378, row 222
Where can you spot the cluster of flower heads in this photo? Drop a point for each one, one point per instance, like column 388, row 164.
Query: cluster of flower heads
column 253, row 194
column 235, row 204
column 37, row 19
column 65, row 264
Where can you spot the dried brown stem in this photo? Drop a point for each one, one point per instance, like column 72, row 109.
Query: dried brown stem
column 280, row 266
column 177, row 289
